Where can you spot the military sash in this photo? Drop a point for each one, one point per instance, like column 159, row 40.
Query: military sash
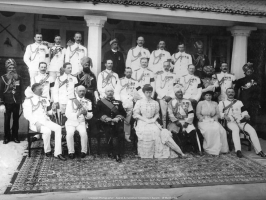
column 42, row 81
column 135, row 57
column 229, row 106
column 107, row 79
column 176, row 59
column 73, row 52
column 36, row 51
column 110, row 105
column 62, row 83
column 157, row 58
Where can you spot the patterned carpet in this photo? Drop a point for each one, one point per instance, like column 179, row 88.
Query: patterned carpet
column 42, row 174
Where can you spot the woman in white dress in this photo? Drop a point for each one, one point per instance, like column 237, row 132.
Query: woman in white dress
column 215, row 138
column 153, row 141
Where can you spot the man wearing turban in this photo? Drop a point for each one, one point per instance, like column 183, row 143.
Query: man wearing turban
column 11, row 96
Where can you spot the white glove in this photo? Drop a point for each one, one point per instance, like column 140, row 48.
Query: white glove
column 2, row 109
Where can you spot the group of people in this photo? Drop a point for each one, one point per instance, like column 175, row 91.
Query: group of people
column 174, row 104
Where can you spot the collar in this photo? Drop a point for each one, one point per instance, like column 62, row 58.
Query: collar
column 37, row 43
column 108, row 71
column 127, row 78
column 138, row 47
column 78, row 98
column 230, row 99
column 57, row 45
column 109, row 99
column 224, row 72
column 114, row 50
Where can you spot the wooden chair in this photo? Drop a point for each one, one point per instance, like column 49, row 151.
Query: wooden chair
column 30, row 135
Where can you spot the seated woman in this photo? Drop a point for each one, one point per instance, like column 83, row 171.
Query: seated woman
column 215, row 139
column 153, row 141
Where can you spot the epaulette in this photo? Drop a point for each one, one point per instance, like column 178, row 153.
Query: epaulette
column 29, row 97
column 137, row 69
column 172, row 73
column 44, row 97
column 133, row 79
column 185, row 75
column 87, row 99
column 231, row 73
column 149, row 70
column 122, row 78
column 132, row 48
column 145, row 48
column 72, row 75
column 159, row 72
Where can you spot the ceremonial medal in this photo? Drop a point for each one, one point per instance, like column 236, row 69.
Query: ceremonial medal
column 13, row 91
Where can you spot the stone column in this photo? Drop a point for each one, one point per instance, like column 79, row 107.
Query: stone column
column 239, row 54
column 95, row 24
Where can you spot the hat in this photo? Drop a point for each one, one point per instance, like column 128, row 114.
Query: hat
column 178, row 87
column 9, row 62
column 86, row 59
column 198, row 44
column 248, row 66
column 147, row 87
column 113, row 41
column 208, row 92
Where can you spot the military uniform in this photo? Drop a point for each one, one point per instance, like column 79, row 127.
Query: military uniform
column 199, row 61
column 157, row 58
column 181, row 111
column 74, row 54
column 165, row 87
column 134, row 55
column 111, row 129
column 35, row 110
column 225, row 80
column 57, row 57
column 236, row 111
column 144, row 76
column 35, row 53
column 47, row 83
column 180, row 62
column 77, row 122
column 11, row 96
column 106, row 78
column 126, row 91
column 118, row 61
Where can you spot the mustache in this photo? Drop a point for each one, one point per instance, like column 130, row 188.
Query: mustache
column 12, row 74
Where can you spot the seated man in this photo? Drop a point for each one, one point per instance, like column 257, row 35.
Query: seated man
column 111, row 113
column 76, row 116
column 35, row 109
column 181, row 115
column 237, row 117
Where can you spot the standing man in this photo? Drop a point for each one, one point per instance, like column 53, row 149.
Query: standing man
column 75, row 53
column 143, row 74
column 111, row 113
column 136, row 53
column 35, row 111
column 237, row 117
column 11, row 96
column 76, row 120
column 158, row 57
column 107, row 78
column 165, row 88
column 199, row 59
column 57, row 57
column 249, row 91
column 117, row 57
column 181, row 61
column 126, row 90
column 36, row 53
column 225, row 80
column 192, row 86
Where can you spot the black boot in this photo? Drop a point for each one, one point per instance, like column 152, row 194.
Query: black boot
column 6, row 140
column 118, row 158
column 239, row 154
column 261, row 154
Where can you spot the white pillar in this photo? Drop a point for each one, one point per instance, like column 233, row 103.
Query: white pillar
column 240, row 45
column 95, row 24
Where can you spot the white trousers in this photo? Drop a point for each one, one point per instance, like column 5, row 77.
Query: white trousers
column 81, row 128
column 46, row 135
column 163, row 105
column 127, row 125
column 250, row 130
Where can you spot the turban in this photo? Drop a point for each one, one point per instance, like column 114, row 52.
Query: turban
column 113, row 41
column 85, row 60
column 248, row 66
column 9, row 62
column 198, row 44
column 208, row 69
column 178, row 87
column 147, row 87
column 109, row 87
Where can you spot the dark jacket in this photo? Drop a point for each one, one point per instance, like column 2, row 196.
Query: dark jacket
column 118, row 62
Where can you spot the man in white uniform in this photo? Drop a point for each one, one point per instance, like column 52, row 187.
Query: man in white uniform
column 35, row 111
column 135, row 53
column 181, row 61
column 144, row 75
column 192, row 86
column 225, row 80
column 76, row 116
column 107, row 78
column 128, row 91
column 165, row 89
column 236, row 115
column 36, row 53
column 57, row 57
column 75, row 53
column 158, row 57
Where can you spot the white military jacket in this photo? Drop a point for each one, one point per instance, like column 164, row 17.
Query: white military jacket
column 225, row 80
column 165, row 84
column 57, row 55
column 72, row 112
column 35, row 109
column 46, row 81
column 64, row 88
column 74, row 54
column 106, row 78
column 36, row 53
column 134, row 55
column 157, row 58
column 236, row 110
column 181, row 62
column 192, row 87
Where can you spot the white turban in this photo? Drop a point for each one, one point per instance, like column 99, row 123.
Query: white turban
column 178, row 87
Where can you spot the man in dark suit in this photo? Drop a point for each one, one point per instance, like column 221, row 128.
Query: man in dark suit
column 117, row 58
column 111, row 114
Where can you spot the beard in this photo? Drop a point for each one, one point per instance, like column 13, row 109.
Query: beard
column 12, row 75
column 86, row 70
